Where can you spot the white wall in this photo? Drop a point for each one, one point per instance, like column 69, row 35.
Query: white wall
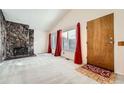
column 70, row 20
column 40, row 39
column 119, row 36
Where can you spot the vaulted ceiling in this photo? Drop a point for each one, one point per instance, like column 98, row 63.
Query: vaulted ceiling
column 38, row 19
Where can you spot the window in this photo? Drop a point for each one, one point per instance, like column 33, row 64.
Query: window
column 65, row 41
column 69, row 40
column 72, row 39
column 53, row 38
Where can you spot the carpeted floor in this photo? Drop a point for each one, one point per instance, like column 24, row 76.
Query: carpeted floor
column 44, row 69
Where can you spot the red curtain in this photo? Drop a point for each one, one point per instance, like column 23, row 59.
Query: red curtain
column 78, row 54
column 58, row 43
column 49, row 44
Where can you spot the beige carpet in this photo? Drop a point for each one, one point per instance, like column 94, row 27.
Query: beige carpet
column 97, row 77
column 44, row 69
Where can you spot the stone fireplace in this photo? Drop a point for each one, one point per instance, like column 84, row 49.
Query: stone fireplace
column 17, row 39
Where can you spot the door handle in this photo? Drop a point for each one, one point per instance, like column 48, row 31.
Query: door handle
column 111, row 38
column 110, row 42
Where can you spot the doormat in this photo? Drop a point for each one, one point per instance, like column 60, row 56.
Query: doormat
column 99, row 74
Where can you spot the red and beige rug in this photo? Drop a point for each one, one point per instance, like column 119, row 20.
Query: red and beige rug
column 99, row 74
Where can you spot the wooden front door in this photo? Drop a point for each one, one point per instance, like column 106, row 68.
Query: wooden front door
column 100, row 44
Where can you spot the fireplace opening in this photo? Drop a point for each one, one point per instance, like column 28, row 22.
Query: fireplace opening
column 20, row 51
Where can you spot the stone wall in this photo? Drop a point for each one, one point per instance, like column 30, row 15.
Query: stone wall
column 0, row 40
column 2, row 37
column 31, row 42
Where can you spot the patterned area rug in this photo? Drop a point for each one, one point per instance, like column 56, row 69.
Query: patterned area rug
column 98, row 74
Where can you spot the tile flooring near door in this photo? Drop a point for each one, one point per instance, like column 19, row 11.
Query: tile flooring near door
column 44, row 69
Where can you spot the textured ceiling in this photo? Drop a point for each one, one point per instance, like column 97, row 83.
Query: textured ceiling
column 38, row 19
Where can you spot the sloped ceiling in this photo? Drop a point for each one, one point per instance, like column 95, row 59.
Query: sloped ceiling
column 38, row 19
